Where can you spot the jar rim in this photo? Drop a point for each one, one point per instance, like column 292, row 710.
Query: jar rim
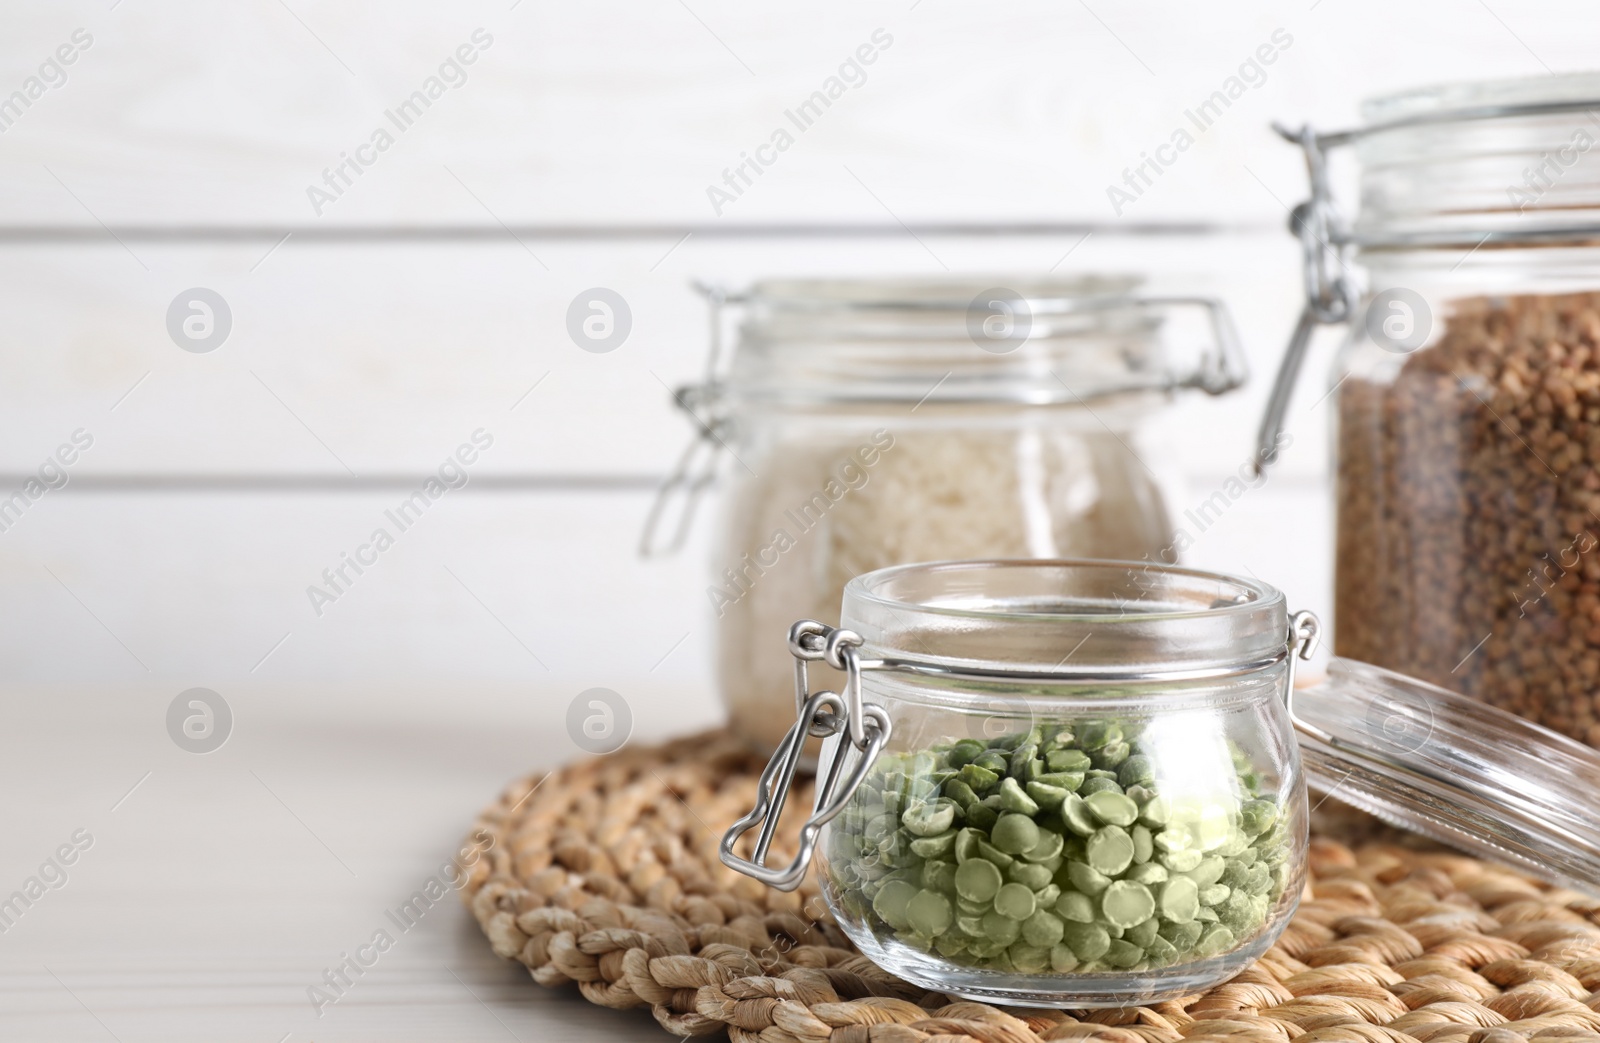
column 1460, row 99
column 952, row 294
column 869, row 587
column 1068, row 619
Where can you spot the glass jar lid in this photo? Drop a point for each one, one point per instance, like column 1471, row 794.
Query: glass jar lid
column 814, row 345
column 994, row 339
column 1454, row 769
column 1484, row 163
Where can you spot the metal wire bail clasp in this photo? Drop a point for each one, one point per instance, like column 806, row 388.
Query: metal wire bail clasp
column 1305, row 634
column 1329, row 295
column 666, row 528
column 824, row 715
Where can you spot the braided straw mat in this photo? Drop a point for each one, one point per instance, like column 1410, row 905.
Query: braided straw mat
column 605, row 873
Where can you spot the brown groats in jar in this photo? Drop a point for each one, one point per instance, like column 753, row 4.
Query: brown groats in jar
column 1469, row 503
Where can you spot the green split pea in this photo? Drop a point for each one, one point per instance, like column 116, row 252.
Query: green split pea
column 1056, row 850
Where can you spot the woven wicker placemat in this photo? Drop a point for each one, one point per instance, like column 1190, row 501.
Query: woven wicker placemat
column 605, row 873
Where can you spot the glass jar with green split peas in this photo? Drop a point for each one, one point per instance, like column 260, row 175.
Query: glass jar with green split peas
column 1088, row 775
column 1081, row 783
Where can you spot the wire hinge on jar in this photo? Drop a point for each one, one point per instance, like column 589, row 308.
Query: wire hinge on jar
column 866, row 730
column 697, row 465
column 1305, row 634
column 821, row 715
column 1325, row 238
column 1330, row 298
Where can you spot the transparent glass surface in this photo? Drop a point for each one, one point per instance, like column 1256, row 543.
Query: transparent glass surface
column 1468, row 403
column 1107, row 836
column 832, row 497
column 869, row 425
column 1451, row 768
column 1436, row 165
column 825, row 342
column 1468, row 536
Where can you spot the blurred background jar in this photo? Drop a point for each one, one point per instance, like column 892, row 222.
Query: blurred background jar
column 878, row 422
column 1468, row 391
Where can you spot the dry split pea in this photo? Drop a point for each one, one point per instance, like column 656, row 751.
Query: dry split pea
column 1055, row 851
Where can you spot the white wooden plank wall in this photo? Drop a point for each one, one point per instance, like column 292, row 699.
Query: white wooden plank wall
column 186, row 111
column 375, row 357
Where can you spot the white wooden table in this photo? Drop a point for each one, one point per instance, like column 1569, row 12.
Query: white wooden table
column 218, row 888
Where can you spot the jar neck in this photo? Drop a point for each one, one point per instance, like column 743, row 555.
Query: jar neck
column 1120, row 414
column 936, row 360
column 1069, row 620
column 1446, row 273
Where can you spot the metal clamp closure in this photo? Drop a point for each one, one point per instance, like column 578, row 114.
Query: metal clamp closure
column 1322, row 233
column 1222, row 368
column 1329, row 296
column 824, row 714
column 697, row 465
column 681, row 492
column 1305, row 634
column 1325, row 238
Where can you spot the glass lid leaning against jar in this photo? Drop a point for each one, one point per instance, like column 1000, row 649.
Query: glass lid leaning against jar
column 868, row 423
column 1467, row 390
column 1083, row 783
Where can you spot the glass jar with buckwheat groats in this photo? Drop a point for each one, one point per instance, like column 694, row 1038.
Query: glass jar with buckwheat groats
column 1467, row 394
